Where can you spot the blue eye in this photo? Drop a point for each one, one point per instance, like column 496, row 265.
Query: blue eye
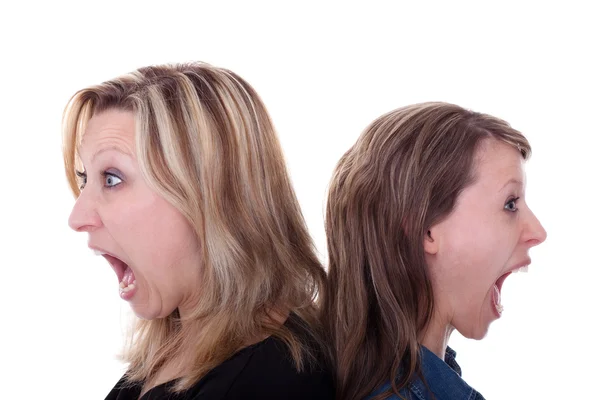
column 111, row 180
column 512, row 205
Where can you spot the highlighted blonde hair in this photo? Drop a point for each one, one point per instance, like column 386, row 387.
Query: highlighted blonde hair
column 402, row 176
column 205, row 142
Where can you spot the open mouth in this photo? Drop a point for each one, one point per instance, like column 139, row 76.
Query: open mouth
column 125, row 275
column 496, row 298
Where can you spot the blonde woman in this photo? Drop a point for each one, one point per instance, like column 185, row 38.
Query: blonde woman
column 182, row 187
column 426, row 218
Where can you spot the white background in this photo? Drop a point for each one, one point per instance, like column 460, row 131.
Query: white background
column 324, row 70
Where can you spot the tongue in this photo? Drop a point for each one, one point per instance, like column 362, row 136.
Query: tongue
column 128, row 277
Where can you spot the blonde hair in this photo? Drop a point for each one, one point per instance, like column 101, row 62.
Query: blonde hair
column 402, row 176
column 205, row 142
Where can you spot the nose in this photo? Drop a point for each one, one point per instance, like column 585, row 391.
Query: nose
column 84, row 216
column 534, row 232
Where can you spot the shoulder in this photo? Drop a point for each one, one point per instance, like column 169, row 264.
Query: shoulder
column 271, row 373
column 266, row 370
column 124, row 390
column 441, row 380
column 404, row 392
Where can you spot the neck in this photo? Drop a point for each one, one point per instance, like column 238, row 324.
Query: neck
column 436, row 336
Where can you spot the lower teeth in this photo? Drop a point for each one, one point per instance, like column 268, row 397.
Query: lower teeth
column 127, row 288
column 499, row 307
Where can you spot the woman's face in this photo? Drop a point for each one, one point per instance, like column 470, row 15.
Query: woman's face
column 486, row 237
column 148, row 242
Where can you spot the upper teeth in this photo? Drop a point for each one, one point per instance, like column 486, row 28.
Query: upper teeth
column 98, row 252
column 523, row 269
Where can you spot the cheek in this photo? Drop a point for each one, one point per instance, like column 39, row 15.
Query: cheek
column 160, row 240
column 475, row 255
column 134, row 223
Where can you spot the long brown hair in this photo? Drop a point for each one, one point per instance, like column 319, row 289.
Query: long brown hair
column 402, row 176
column 205, row 142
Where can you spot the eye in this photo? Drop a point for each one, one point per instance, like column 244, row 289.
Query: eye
column 511, row 205
column 111, row 180
column 82, row 179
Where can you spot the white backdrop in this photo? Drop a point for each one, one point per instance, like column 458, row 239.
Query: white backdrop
column 325, row 70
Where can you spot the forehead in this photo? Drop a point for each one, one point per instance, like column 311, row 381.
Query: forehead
column 497, row 162
column 111, row 128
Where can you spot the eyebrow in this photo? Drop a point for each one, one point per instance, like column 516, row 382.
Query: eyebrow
column 513, row 180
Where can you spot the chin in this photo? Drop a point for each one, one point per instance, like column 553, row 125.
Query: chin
column 480, row 335
column 143, row 314
column 142, row 311
column 149, row 315
column 477, row 332
column 476, row 326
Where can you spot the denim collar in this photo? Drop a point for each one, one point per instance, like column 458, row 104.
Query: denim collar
column 443, row 380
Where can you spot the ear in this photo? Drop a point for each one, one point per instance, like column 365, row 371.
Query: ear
column 431, row 241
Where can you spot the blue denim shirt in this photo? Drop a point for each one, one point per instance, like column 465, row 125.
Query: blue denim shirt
column 444, row 380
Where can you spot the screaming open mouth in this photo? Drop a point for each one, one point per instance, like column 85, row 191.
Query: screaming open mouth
column 496, row 298
column 125, row 276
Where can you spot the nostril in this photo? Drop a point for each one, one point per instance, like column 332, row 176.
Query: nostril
column 87, row 227
column 539, row 239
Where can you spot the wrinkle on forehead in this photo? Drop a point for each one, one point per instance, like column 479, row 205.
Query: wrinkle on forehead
column 112, row 129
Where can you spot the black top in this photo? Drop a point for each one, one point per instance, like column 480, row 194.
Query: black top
column 263, row 371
